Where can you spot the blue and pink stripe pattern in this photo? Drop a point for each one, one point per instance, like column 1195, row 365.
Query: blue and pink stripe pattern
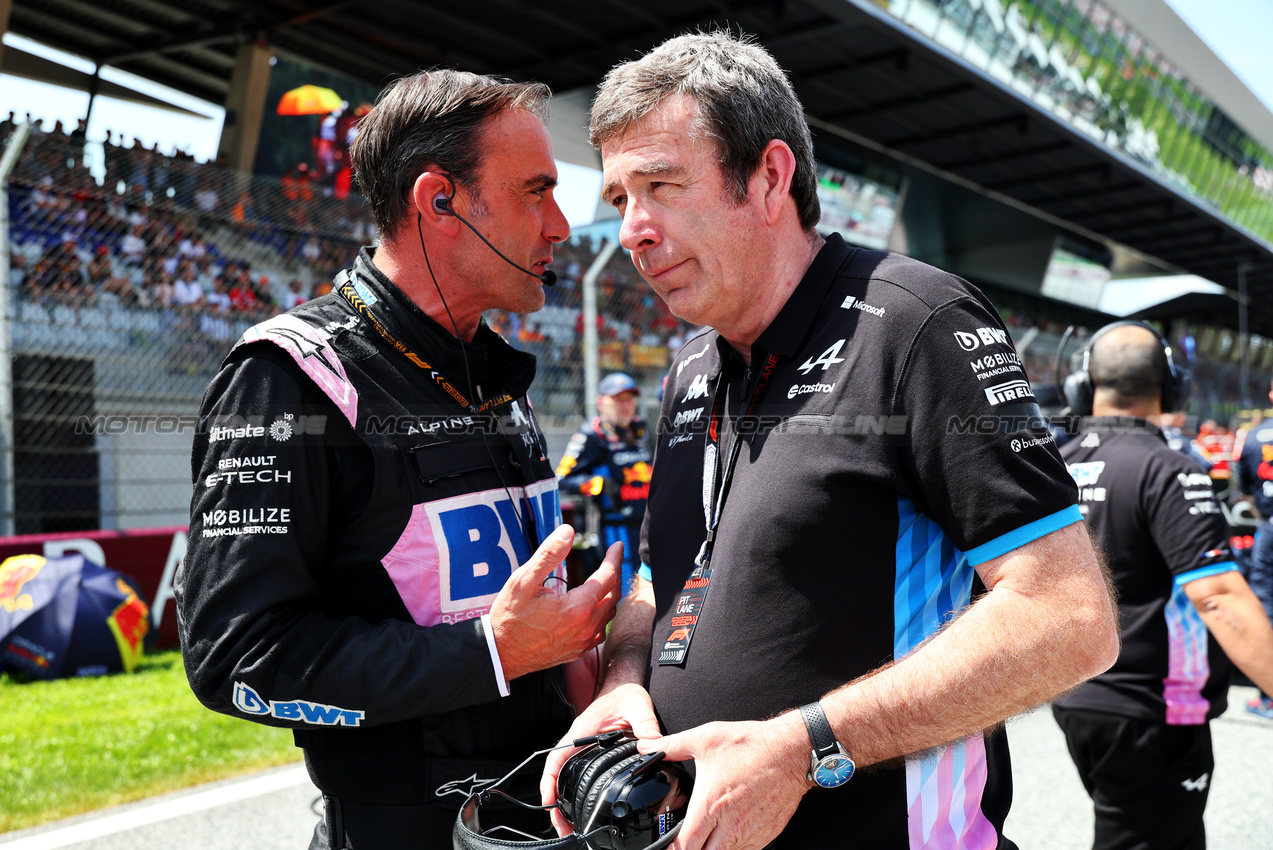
column 1188, row 667
column 943, row 785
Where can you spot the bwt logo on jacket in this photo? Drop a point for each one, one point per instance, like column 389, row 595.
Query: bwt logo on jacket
column 480, row 540
column 249, row 701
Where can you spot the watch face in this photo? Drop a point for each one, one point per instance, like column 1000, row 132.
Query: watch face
column 833, row 771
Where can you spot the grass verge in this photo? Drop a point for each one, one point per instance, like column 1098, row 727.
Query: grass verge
column 74, row 745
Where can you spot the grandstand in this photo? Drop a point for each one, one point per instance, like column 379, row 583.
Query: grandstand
column 1000, row 140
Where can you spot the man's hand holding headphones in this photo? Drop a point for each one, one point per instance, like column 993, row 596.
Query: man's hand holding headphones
column 622, row 701
column 536, row 626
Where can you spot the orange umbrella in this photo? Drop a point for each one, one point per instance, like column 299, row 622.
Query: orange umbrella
column 309, row 100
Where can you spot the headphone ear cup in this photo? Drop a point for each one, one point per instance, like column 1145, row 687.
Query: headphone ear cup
column 600, row 762
column 592, row 795
column 1078, row 393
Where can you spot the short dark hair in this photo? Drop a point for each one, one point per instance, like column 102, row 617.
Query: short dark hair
column 432, row 117
column 744, row 101
column 1130, row 369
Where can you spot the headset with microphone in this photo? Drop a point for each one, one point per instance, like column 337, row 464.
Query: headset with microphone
column 442, row 204
column 1079, row 392
column 614, row 798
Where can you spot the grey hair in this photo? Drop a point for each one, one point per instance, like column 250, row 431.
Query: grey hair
column 744, row 101
column 431, row 118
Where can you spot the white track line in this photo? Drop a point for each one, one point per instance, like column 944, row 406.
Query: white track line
column 149, row 813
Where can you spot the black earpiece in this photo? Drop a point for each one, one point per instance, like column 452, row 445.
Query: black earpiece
column 442, row 203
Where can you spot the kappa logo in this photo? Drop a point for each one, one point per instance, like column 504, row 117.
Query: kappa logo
column 1009, row 391
column 982, row 336
column 697, row 388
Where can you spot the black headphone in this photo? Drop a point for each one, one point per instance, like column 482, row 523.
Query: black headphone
column 1078, row 389
column 614, row 797
column 442, row 203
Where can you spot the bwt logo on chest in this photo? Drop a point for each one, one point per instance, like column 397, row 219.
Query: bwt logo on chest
column 481, row 539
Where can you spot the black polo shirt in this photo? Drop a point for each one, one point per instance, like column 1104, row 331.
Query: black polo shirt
column 895, row 446
column 1155, row 514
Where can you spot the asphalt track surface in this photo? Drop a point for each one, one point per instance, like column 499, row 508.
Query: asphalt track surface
column 274, row 810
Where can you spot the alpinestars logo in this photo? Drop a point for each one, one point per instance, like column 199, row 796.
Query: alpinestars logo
column 465, row 788
column 697, row 388
column 249, row 701
column 1009, row 391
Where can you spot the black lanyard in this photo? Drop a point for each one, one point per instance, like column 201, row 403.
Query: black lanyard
column 355, row 300
column 689, row 605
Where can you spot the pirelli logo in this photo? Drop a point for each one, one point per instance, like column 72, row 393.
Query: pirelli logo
column 1009, row 391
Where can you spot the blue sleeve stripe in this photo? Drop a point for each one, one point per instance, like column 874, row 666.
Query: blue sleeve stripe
column 1204, row 572
column 644, row 572
column 1027, row 533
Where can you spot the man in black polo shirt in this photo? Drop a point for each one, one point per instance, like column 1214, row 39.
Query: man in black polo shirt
column 843, row 462
column 1138, row 733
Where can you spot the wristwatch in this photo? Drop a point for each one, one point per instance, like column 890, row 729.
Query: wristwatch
column 829, row 765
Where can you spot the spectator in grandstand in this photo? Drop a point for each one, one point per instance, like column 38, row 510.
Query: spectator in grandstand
column 162, row 292
column 607, row 462
column 839, row 625
column 187, row 294
column 295, row 295
column 1139, row 733
column 1254, row 483
column 412, row 668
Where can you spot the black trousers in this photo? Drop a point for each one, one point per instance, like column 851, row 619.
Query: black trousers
column 1148, row 781
column 354, row 826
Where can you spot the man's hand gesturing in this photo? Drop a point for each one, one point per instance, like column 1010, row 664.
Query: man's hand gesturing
column 538, row 627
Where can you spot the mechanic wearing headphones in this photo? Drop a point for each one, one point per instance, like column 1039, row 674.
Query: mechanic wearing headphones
column 845, row 461
column 376, row 544
column 1139, row 732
